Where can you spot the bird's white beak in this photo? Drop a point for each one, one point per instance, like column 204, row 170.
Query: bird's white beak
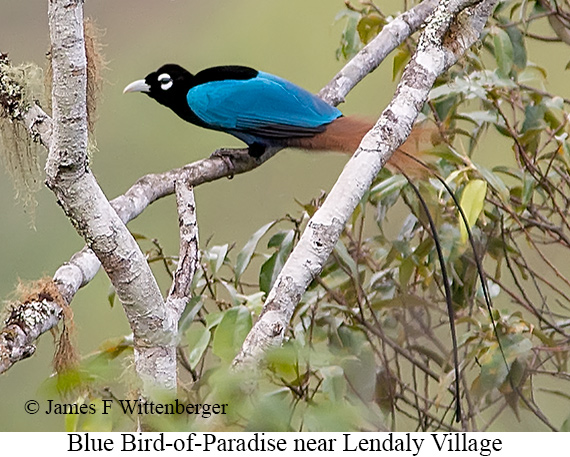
column 137, row 86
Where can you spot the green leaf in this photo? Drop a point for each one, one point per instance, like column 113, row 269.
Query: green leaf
column 192, row 307
column 262, row 418
column 400, row 60
column 494, row 372
column 350, row 42
column 424, row 249
column 213, row 319
column 504, row 54
column 472, row 202
column 528, row 189
column 533, row 74
column 231, row 333
column 336, row 279
column 332, row 417
column 407, row 267
column 346, row 258
column 277, row 240
column 360, row 372
column 216, row 255
column 368, row 27
column 554, row 114
column 111, row 295
column 272, row 267
column 387, row 187
column 495, row 182
column 245, row 255
column 97, row 422
column 267, row 273
column 71, row 421
column 231, row 291
column 533, row 118
column 519, row 48
column 482, row 117
column 198, row 338
column 283, row 362
column 443, row 151
column 443, row 91
column 253, row 302
column 334, row 383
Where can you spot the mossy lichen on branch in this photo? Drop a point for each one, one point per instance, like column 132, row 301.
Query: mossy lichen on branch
column 11, row 93
column 20, row 87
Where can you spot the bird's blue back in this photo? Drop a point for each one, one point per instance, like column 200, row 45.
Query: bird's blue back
column 265, row 106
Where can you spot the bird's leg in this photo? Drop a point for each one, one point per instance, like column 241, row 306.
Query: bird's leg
column 228, row 155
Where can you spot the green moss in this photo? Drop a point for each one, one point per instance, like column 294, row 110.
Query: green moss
column 20, row 87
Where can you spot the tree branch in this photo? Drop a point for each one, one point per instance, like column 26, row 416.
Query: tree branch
column 24, row 325
column 83, row 201
column 373, row 54
column 189, row 254
column 451, row 29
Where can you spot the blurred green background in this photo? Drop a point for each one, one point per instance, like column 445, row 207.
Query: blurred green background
column 295, row 39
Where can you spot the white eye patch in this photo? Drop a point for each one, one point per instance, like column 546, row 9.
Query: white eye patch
column 165, row 81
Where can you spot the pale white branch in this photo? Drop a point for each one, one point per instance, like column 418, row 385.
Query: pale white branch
column 83, row 201
column 189, row 253
column 373, row 54
column 306, row 261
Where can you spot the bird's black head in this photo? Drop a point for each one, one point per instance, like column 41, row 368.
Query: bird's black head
column 168, row 86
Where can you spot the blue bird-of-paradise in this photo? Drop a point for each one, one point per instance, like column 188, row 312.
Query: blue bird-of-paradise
column 261, row 109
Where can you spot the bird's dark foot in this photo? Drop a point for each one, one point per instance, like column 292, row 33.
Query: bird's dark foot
column 227, row 155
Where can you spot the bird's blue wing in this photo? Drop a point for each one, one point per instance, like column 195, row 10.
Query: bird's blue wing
column 265, row 106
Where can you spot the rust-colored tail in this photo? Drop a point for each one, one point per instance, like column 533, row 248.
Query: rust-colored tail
column 345, row 134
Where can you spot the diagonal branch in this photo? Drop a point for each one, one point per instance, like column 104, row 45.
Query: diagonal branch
column 452, row 28
column 83, row 201
column 373, row 54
